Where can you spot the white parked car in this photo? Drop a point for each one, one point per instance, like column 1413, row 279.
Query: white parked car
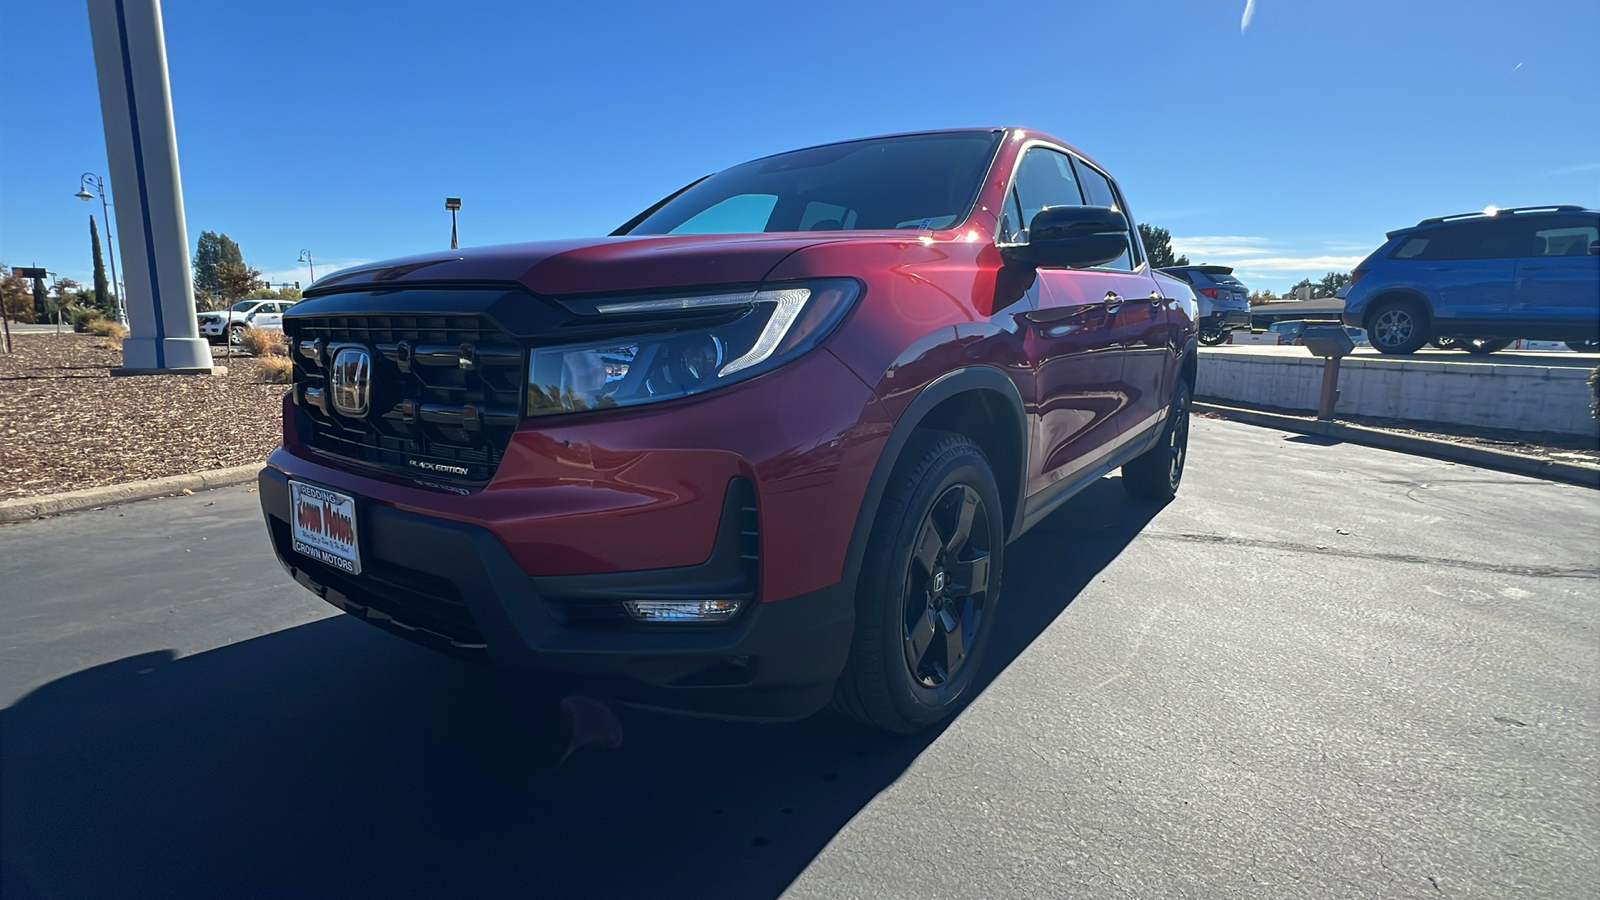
column 241, row 317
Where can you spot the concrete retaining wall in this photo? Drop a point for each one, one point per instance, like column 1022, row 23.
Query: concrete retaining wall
column 1525, row 398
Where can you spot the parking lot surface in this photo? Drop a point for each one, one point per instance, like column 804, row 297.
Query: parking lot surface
column 1323, row 671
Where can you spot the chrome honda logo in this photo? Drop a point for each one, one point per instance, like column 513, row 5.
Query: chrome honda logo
column 350, row 381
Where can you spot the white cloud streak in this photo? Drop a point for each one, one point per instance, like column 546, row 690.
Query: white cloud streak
column 1577, row 169
column 1249, row 13
column 300, row 273
column 1257, row 255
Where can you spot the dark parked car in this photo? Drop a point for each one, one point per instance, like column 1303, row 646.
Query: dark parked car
column 1481, row 280
column 762, row 448
column 1224, row 300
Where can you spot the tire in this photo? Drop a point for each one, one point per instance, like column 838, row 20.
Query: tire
column 1590, row 346
column 236, row 334
column 1213, row 338
column 1484, row 346
column 1398, row 327
column 1445, row 342
column 926, row 600
column 1156, row 473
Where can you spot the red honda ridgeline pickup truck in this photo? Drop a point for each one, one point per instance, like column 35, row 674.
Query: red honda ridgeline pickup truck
column 761, row 448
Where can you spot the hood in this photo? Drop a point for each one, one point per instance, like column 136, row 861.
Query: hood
column 593, row 265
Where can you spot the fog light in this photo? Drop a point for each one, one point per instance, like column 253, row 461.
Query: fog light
column 681, row 610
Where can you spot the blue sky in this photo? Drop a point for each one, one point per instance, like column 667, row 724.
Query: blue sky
column 1286, row 148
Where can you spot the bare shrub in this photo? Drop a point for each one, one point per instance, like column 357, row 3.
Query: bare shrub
column 277, row 369
column 265, row 342
column 108, row 329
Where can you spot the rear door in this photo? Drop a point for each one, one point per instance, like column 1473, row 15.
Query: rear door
column 268, row 315
column 1558, row 273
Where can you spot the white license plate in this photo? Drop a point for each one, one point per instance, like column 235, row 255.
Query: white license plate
column 324, row 526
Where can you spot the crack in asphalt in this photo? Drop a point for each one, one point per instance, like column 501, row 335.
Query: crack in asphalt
column 1350, row 552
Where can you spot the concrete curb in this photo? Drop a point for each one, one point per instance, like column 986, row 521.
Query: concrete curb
column 1482, row 457
column 22, row 509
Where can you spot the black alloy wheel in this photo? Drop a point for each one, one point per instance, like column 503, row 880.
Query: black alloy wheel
column 929, row 587
column 1213, row 337
column 946, row 586
column 1157, row 473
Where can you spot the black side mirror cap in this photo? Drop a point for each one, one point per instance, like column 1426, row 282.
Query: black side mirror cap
column 1074, row 237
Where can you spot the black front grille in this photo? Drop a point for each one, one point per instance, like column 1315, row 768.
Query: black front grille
column 446, row 392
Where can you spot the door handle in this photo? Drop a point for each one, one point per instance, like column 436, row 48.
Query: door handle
column 1113, row 301
column 1156, row 299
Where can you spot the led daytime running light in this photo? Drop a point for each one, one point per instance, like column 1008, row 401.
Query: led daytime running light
column 789, row 303
column 676, row 304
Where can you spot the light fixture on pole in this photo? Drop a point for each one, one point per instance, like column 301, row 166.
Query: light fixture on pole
column 87, row 179
column 305, row 257
column 452, row 204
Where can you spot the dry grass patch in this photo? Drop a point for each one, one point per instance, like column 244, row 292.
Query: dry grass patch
column 265, row 343
column 276, row 369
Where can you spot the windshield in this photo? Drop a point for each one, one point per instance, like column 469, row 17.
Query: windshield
column 915, row 181
column 245, row 305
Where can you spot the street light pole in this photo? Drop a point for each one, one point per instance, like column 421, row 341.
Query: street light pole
column 89, row 178
column 305, row 257
column 452, row 204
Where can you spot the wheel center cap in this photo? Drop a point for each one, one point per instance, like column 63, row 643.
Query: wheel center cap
column 939, row 581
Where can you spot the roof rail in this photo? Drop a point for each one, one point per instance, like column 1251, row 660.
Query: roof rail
column 1565, row 207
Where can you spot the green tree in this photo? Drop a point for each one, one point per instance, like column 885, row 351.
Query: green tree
column 41, row 301
column 1331, row 283
column 66, row 293
column 211, row 252
column 236, row 280
column 16, row 296
column 1158, row 246
column 102, row 295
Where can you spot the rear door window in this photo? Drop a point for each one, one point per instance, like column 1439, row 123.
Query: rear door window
column 1563, row 236
column 1468, row 240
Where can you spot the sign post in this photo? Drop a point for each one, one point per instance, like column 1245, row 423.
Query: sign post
column 130, row 60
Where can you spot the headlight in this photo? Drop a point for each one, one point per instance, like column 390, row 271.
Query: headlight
column 759, row 331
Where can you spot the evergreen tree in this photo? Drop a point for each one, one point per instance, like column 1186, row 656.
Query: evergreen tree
column 41, row 302
column 1158, row 246
column 211, row 252
column 102, row 296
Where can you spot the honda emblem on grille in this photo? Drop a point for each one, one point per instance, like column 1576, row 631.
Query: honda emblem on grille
column 350, row 381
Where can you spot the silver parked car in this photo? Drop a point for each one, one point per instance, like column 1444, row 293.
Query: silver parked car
column 1224, row 300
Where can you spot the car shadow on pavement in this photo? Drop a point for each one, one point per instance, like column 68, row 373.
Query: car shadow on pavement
column 331, row 760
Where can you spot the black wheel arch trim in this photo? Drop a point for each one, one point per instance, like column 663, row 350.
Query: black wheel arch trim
column 987, row 379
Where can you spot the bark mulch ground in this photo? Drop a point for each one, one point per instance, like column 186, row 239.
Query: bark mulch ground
column 65, row 423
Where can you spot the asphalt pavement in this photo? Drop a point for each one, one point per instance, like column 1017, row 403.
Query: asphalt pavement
column 1323, row 671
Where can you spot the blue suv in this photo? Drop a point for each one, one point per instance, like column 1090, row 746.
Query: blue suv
column 1481, row 280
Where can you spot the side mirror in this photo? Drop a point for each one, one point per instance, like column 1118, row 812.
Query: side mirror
column 1072, row 237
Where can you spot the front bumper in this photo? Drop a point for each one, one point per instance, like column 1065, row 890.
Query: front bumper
column 455, row 587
